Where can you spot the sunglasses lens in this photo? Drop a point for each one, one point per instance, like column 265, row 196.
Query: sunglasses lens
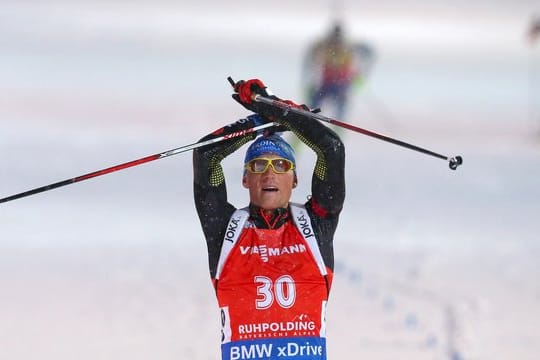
column 281, row 165
column 260, row 165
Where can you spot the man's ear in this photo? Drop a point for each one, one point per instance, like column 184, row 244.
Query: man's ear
column 244, row 182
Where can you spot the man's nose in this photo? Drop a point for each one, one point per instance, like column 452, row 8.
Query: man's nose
column 269, row 171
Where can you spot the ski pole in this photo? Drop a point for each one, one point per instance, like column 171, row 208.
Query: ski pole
column 136, row 162
column 454, row 162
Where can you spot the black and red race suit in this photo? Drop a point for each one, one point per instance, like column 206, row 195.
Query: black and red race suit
column 273, row 278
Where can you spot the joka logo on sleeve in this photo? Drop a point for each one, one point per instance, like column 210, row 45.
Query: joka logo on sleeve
column 232, row 227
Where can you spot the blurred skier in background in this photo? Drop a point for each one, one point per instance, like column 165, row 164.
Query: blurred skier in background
column 332, row 67
column 534, row 29
column 533, row 33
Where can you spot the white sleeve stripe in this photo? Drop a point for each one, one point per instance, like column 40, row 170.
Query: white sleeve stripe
column 234, row 229
column 303, row 223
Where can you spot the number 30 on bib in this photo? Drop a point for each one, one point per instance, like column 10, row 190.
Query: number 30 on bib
column 282, row 291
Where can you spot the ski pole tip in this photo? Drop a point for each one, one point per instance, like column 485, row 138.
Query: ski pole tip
column 455, row 162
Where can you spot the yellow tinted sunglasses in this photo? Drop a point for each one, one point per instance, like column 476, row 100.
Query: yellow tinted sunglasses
column 260, row 165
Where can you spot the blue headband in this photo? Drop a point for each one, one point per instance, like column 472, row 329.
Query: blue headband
column 273, row 144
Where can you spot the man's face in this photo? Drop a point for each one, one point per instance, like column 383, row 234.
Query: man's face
column 269, row 190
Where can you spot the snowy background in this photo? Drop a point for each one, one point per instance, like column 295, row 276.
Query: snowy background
column 430, row 263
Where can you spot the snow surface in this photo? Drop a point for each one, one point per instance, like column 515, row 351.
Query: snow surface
column 430, row 263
